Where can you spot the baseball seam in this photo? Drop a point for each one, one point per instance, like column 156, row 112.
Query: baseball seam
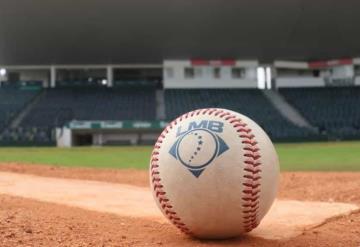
column 250, row 198
column 252, row 170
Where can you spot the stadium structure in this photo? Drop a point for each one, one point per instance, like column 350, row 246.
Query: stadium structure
column 73, row 75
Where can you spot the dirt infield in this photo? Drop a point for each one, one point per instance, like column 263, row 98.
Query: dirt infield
column 25, row 222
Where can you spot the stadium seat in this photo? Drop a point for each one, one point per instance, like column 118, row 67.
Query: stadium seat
column 250, row 102
column 59, row 106
column 12, row 100
column 334, row 110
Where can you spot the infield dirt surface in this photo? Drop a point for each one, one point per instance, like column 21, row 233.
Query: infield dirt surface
column 25, row 222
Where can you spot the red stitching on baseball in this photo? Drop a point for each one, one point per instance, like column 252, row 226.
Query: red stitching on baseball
column 251, row 198
column 224, row 114
column 156, row 180
column 252, row 170
column 254, row 186
column 252, row 183
column 250, row 137
column 250, row 142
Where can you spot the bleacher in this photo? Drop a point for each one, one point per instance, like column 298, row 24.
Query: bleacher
column 58, row 106
column 334, row 111
column 25, row 136
column 250, row 102
column 12, row 100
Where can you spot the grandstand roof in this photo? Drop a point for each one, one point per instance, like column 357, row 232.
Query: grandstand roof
column 148, row 31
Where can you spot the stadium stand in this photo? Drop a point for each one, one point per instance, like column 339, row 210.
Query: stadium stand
column 250, row 102
column 29, row 84
column 12, row 100
column 334, row 111
column 25, row 136
column 58, row 106
column 136, row 83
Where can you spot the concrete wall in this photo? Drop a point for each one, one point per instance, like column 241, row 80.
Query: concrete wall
column 63, row 137
column 174, row 75
column 346, row 71
column 300, row 82
column 357, row 80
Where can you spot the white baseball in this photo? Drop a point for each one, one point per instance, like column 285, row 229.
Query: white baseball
column 214, row 173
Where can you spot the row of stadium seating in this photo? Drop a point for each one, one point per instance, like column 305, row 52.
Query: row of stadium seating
column 333, row 111
column 12, row 101
column 58, row 106
column 250, row 102
column 27, row 136
column 99, row 82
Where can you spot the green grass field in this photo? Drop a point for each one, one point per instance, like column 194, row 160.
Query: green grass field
column 335, row 156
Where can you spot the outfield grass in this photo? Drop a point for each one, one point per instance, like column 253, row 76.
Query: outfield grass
column 331, row 156
column 114, row 157
column 339, row 156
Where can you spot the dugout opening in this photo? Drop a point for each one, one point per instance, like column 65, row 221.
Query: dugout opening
column 83, row 139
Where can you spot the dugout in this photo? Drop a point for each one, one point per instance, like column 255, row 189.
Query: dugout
column 108, row 133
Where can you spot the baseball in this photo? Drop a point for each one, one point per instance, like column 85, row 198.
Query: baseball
column 214, row 173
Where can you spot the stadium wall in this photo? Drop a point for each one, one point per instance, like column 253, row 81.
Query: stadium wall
column 175, row 75
column 300, row 82
column 357, row 81
column 339, row 72
column 106, row 133
column 63, row 137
